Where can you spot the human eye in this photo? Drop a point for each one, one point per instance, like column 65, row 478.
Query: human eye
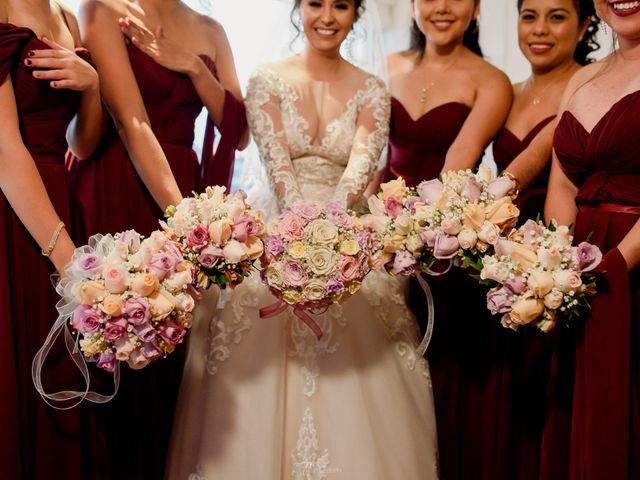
column 558, row 17
column 342, row 5
column 314, row 4
column 527, row 17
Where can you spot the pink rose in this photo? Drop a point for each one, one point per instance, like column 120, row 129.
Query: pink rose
column 501, row 187
column 88, row 264
column 115, row 329
column 198, row 237
column 152, row 352
column 532, row 230
column 137, row 310
column 162, row 264
column 589, row 257
column 293, row 273
column 115, row 278
column 107, row 361
column 210, row 256
column 86, row 319
column 471, row 189
column 566, row 280
column 172, row 333
column 516, row 285
column 404, row 264
column 428, row 237
column 348, row 269
column 243, row 228
column 451, row 227
column 338, row 215
column 291, row 227
column 410, row 203
column 499, row 300
column 275, row 246
column 393, row 207
column 445, row 247
column 430, row 191
column 145, row 332
column 308, row 211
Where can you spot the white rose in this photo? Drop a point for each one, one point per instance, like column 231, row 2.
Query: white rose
column 234, row 252
column 376, row 205
column 550, row 258
column 323, row 232
column 553, row 300
column 467, row 238
column 185, row 303
column 489, row 233
column 485, row 174
column 403, row 224
column 566, row 280
column 540, row 282
column 315, row 290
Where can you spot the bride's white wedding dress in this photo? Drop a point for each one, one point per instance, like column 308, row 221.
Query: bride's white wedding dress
column 263, row 398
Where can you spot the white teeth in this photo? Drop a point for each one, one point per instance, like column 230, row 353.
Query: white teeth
column 626, row 6
column 323, row 31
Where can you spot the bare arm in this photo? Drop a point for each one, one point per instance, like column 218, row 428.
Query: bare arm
column 489, row 111
column 22, row 186
column 173, row 56
column 527, row 166
column 101, row 33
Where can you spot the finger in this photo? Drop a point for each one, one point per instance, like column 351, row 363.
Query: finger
column 62, row 84
column 53, row 44
column 49, row 74
column 45, row 63
column 159, row 31
column 47, row 53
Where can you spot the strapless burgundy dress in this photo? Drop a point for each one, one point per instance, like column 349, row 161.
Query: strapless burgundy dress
column 131, row 433
column 593, row 425
column 37, row 441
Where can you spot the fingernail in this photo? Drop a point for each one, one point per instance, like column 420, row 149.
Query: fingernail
column 31, row 53
column 27, row 61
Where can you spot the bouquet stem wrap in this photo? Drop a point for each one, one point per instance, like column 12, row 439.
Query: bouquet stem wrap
column 280, row 306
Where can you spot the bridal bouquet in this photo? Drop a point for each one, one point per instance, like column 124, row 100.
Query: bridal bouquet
column 541, row 278
column 218, row 234
column 129, row 298
column 314, row 257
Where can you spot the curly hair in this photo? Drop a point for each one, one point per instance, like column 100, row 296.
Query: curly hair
column 588, row 43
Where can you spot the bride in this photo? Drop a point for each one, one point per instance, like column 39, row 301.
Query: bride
column 263, row 398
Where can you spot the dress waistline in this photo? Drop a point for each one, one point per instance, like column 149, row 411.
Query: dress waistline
column 612, row 207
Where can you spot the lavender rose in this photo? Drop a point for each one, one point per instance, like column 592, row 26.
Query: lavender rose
column 293, row 273
column 162, row 264
column 115, row 329
column 145, row 332
column 500, row 187
column 334, row 286
column 589, row 257
column 404, row 264
column 308, row 211
column 445, row 247
column 471, row 189
column 172, row 333
column 107, row 361
column 137, row 310
column 516, row 285
column 88, row 264
column 275, row 246
column 338, row 215
column 198, row 237
column 152, row 352
column 210, row 256
column 430, row 191
column 86, row 319
column 499, row 300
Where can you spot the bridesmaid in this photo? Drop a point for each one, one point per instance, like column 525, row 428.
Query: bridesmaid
column 448, row 103
column 47, row 89
column 161, row 62
column 556, row 37
column 593, row 425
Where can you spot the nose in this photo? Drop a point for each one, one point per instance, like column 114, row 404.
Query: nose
column 442, row 6
column 541, row 27
column 327, row 14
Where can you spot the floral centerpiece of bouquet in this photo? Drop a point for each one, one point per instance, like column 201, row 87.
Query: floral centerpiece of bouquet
column 541, row 277
column 314, row 257
column 219, row 234
column 462, row 215
column 130, row 298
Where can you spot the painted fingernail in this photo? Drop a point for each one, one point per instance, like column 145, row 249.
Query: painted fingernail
column 27, row 61
column 31, row 53
column 53, row 84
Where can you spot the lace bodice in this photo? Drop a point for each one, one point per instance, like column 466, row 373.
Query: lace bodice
column 318, row 141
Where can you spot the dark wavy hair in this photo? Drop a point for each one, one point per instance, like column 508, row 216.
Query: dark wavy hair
column 359, row 4
column 588, row 43
column 471, row 39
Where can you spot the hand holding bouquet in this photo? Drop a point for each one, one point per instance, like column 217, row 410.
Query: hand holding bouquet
column 541, row 278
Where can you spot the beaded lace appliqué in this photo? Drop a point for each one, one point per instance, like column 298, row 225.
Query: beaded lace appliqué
column 308, row 462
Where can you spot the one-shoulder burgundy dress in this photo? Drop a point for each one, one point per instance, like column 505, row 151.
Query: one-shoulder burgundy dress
column 37, row 441
column 593, row 424
column 131, row 433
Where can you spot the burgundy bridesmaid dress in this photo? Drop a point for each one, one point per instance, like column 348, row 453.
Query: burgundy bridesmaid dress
column 131, row 433
column 37, row 441
column 523, row 357
column 593, row 425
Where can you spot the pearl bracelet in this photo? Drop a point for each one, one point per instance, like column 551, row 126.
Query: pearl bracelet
column 53, row 241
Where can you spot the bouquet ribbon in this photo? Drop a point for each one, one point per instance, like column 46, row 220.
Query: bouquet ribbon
column 280, row 306
column 424, row 344
column 65, row 311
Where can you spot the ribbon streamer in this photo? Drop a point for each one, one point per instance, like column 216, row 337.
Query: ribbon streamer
column 424, row 344
column 280, row 306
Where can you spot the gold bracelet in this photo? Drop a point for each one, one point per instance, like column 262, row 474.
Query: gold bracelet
column 513, row 178
column 54, row 240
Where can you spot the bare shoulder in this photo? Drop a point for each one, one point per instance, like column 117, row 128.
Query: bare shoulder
column 399, row 63
column 584, row 75
column 4, row 11
column 100, row 10
column 487, row 75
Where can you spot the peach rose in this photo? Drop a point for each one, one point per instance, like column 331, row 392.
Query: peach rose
column 567, row 280
column 553, row 300
column 297, row 249
column 112, row 306
column 489, row 233
column 540, row 282
column 116, row 278
column 144, row 284
column 220, row 231
column 523, row 255
column 124, row 347
column 394, row 189
column 88, row 293
column 502, row 211
column 526, row 310
column 162, row 304
column 474, row 216
column 253, row 248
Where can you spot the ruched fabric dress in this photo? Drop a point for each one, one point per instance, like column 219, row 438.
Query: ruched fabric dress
column 131, row 433
column 523, row 357
column 467, row 381
column 593, row 424
column 37, row 441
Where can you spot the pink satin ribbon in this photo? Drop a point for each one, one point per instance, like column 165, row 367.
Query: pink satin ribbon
column 280, row 306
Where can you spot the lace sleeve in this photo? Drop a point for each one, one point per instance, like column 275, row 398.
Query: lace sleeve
column 264, row 114
column 371, row 135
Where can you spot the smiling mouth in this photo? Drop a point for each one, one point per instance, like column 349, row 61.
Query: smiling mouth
column 326, row 32
column 442, row 24
column 625, row 8
column 540, row 47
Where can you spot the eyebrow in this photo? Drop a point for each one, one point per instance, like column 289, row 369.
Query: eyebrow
column 553, row 10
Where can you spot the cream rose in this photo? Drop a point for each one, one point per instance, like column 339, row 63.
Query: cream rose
column 116, row 278
column 350, row 247
column 90, row 347
column 484, row 173
column 290, row 296
column 324, row 232
column 413, row 243
column 376, row 206
column 394, row 189
column 489, row 233
column 526, row 310
column 540, row 282
column 550, row 258
column 502, row 211
column 403, row 224
column 553, row 300
column 234, row 252
column 567, row 280
column 314, row 290
column 451, row 227
column 184, row 302
column 297, row 249
column 322, row 261
column 274, row 276
column 162, row 304
column 377, row 223
column 220, row 231
column 467, row 238
column 88, row 293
